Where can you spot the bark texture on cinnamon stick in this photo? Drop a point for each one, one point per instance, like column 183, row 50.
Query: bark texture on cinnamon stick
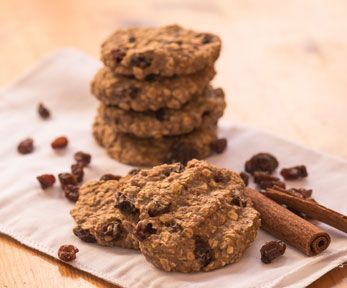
column 310, row 208
column 288, row 227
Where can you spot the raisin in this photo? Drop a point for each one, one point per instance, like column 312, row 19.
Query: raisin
column 77, row 171
column 219, row 145
column 158, row 209
column 206, row 38
column 182, row 153
column 134, row 171
column 67, row 253
column 125, row 206
column 271, row 250
column 144, row 230
column 108, row 177
column 202, row 251
column 111, row 230
column 84, row 235
column 46, row 180
column 300, row 192
column 59, row 143
column 26, row 146
column 71, row 192
column 140, row 61
column 271, row 184
column 82, row 158
column 220, row 177
column 67, row 179
column 265, row 180
column 237, row 201
column 160, row 114
column 294, row 173
column 43, row 111
column 245, row 178
column 151, row 77
column 133, row 91
column 131, row 39
column 118, row 54
column 263, row 162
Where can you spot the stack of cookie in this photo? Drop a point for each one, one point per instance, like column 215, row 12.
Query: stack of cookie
column 156, row 102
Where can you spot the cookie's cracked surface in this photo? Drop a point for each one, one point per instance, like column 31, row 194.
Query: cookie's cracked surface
column 205, row 110
column 189, row 218
column 96, row 218
column 166, row 51
column 151, row 151
column 156, row 93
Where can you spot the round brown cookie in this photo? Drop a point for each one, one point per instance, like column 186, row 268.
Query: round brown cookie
column 131, row 94
column 205, row 110
column 166, row 51
column 132, row 150
column 189, row 218
column 96, row 218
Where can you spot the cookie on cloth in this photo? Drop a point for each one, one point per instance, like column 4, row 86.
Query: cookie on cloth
column 188, row 219
column 96, row 218
column 129, row 93
column 132, row 150
column 167, row 51
column 205, row 110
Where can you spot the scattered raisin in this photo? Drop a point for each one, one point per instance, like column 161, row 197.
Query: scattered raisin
column 244, row 176
column 134, row 171
column 26, row 146
column 111, row 230
column 67, row 179
column 271, row 250
column 300, row 192
column 160, row 114
column 118, row 54
column 219, row 145
column 43, row 111
column 265, row 180
column 182, row 153
column 46, row 180
column 263, row 162
column 108, row 177
column 84, row 235
column 202, row 251
column 131, row 39
column 140, row 61
column 67, row 253
column 158, row 209
column 59, row 143
column 294, row 173
column 71, row 192
column 77, row 171
column 125, row 206
column 144, row 230
column 82, row 158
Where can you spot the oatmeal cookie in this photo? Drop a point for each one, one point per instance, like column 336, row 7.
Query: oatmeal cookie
column 155, row 93
column 188, row 219
column 166, row 51
column 205, row 110
column 96, row 218
column 132, row 150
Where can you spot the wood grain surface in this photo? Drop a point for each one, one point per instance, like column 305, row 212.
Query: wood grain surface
column 283, row 66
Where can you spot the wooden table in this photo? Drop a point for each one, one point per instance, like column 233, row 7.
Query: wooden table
column 284, row 67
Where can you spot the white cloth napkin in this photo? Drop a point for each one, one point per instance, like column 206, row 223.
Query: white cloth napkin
column 41, row 220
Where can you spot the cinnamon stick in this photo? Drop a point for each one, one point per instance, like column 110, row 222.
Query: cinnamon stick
column 310, row 208
column 287, row 226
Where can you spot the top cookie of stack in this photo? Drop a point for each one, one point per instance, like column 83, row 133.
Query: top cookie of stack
column 155, row 95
